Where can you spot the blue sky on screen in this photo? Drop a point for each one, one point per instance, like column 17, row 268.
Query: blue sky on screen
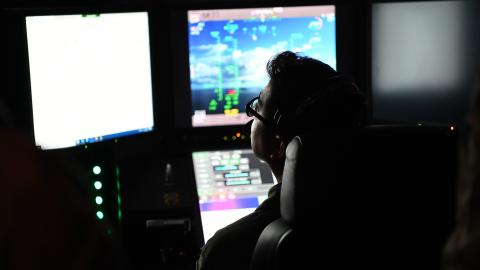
column 241, row 48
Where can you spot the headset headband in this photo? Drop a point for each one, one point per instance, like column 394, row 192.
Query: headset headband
column 279, row 118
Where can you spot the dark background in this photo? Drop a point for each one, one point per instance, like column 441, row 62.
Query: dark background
column 150, row 190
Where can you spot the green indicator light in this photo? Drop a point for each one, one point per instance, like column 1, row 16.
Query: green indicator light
column 119, row 199
column 99, row 214
column 99, row 200
column 97, row 170
column 225, row 138
column 98, row 185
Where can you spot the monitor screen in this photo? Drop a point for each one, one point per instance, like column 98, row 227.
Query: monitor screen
column 422, row 60
column 90, row 77
column 230, row 185
column 229, row 50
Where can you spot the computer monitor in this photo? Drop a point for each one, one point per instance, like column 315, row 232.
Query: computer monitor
column 230, row 185
column 423, row 55
column 229, row 49
column 90, row 77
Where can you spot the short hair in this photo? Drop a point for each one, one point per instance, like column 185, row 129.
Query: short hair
column 310, row 94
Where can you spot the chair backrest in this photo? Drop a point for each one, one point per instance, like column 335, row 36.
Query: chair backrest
column 376, row 197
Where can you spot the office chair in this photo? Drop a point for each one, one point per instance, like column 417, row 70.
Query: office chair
column 378, row 197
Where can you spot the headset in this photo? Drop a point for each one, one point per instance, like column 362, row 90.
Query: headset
column 285, row 121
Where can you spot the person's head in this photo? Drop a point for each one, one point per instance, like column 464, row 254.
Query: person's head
column 303, row 95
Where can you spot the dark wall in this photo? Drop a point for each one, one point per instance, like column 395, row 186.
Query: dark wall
column 14, row 82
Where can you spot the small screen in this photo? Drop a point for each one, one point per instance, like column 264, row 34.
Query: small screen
column 230, row 185
column 90, row 77
column 229, row 50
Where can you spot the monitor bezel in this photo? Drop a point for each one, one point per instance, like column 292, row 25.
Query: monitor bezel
column 368, row 74
column 24, row 13
column 345, row 51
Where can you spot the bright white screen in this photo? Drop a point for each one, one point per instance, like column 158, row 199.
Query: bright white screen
column 90, row 77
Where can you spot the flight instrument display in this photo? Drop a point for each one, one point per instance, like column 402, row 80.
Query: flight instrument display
column 229, row 50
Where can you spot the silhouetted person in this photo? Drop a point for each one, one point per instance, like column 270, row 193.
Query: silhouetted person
column 462, row 251
column 46, row 221
column 303, row 95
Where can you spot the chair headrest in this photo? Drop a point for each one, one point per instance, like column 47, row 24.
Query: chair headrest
column 289, row 189
column 309, row 161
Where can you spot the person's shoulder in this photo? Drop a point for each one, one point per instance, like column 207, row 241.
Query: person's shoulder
column 234, row 233
column 231, row 247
